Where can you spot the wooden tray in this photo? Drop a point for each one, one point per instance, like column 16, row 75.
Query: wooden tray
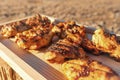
column 30, row 65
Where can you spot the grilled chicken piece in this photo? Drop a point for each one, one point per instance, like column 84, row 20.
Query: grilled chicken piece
column 38, row 36
column 63, row 49
column 60, row 28
column 88, row 46
column 11, row 29
column 68, row 47
column 106, row 43
column 35, row 38
column 76, row 33
column 87, row 69
column 38, row 20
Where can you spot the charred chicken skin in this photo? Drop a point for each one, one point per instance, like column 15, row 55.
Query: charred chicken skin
column 62, row 50
column 88, row 46
column 67, row 48
column 106, row 43
column 60, row 28
column 87, row 69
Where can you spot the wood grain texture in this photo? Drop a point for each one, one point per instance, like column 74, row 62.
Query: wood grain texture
column 28, row 66
column 7, row 73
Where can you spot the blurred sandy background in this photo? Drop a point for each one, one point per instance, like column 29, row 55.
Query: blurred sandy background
column 104, row 13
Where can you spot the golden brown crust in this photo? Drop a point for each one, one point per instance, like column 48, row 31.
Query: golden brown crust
column 62, row 50
column 38, row 20
column 106, row 43
column 69, row 47
column 38, row 36
column 85, row 69
column 88, row 46
column 61, row 28
column 34, row 38
column 11, row 29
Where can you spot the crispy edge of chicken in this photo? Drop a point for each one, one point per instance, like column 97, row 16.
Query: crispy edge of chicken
column 86, row 69
column 106, row 43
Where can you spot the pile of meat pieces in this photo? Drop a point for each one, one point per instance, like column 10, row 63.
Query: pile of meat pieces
column 68, row 45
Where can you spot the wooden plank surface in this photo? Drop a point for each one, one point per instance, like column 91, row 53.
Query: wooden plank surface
column 7, row 73
column 28, row 66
